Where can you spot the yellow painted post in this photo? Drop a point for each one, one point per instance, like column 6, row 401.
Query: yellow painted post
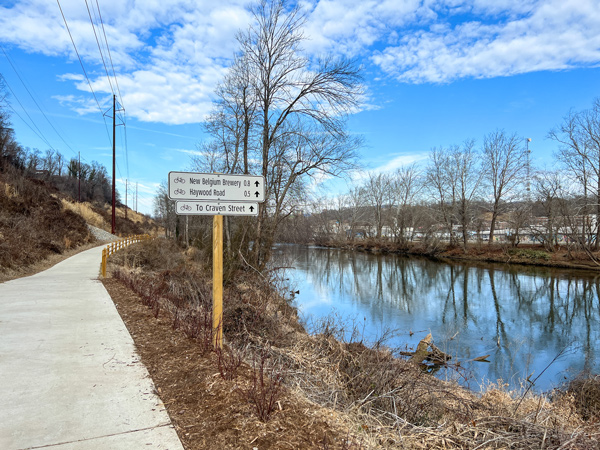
column 218, row 281
column 104, row 263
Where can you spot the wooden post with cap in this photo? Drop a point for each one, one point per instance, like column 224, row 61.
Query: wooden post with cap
column 218, row 281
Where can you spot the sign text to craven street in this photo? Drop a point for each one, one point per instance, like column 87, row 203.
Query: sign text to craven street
column 191, row 207
column 216, row 187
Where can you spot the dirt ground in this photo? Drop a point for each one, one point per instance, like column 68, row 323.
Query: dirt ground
column 209, row 412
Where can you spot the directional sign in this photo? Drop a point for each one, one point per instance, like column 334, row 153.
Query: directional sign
column 194, row 208
column 216, row 187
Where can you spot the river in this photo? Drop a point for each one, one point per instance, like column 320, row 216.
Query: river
column 536, row 324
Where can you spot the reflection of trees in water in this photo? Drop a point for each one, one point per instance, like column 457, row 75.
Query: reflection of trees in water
column 500, row 307
column 552, row 301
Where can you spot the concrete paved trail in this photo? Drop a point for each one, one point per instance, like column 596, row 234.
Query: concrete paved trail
column 69, row 374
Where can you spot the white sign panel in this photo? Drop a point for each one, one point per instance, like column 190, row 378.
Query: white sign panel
column 216, row 187
column 193, row 208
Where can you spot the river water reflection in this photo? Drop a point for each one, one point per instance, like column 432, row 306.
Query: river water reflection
column 523, row 317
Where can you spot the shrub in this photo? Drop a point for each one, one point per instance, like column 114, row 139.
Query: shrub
column 267, row 385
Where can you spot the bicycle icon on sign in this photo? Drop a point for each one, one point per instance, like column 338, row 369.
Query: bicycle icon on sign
column 179, row 192
column 179, row 180
column 185, row 208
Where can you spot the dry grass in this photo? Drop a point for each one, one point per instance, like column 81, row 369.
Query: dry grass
column 585, row 391
column 34, row 225
column 383, row 401
column 85, row 210
column 135, row 217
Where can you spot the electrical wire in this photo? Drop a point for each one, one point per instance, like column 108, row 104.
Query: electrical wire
column 105, row 69
column 39, row 132
column 109, row 54
column 107, row 74
column 34, row 100
column 99, row 48
column 83, row 68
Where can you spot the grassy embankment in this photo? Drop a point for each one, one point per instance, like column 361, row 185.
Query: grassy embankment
column 39, row 226
column 275, row 386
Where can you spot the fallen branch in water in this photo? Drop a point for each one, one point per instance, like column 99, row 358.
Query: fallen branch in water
column 427, row 351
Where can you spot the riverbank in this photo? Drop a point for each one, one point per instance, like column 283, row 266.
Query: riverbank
column 533, row 255
column 275, row 386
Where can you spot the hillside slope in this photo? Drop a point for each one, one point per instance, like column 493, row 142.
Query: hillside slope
column 37, row 221
column 34, row 224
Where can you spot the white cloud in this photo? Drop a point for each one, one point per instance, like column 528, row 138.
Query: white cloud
column 543, row 35
column 400, row 161
column 170, row 54
column 80, row 104
column 189, row 152
column 350, row 27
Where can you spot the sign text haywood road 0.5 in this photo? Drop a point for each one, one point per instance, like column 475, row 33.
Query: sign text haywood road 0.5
column 211, row 186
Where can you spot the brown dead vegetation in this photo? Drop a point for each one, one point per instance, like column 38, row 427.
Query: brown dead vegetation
column 34, row 224
column 39, row 225
column 334, row 394
column 536, row 255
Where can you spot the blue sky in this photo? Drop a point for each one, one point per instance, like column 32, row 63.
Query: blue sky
column 435, row 73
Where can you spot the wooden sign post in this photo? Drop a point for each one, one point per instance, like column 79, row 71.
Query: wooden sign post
column 216, row 195
column 218, row 281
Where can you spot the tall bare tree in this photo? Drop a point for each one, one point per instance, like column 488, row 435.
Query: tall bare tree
column 505, row 165
column 550, row 195
column 230, row 123
column 379, row 195
column 579, row 152
column 406, row 183
column 301, row 108
column 439, row 181
column 465, row 165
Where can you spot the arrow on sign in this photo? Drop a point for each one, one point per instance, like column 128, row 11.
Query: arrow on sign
column 257, row 184
column 252, row 209
column 257, row 194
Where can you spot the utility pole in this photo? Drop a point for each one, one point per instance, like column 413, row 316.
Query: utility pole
column 126, row 197
column 114, row 197
column 114, row 165
column 528, row 171
column 136, row 197
column 79, row 178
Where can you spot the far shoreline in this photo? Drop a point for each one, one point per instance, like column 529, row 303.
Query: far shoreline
column 524, row 254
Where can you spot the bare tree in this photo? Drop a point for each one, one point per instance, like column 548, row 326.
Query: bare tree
column 10, row 151
column 301, row 108
column 355, row 204
column 465, row 165
column 406, row 183
column 505, row 164
column 440, row 184
column 550, row 195
column 231, row 121
column 164, row 210
column 378, row 195
column 579, row 152
column 518, row 218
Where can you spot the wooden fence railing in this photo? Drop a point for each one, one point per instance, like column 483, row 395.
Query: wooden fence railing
column 118, row 245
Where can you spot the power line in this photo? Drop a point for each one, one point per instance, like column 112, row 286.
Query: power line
column 106, row 70
column 33, row 98
column 109, row 54
column 99, row 48
column 83, row 68
column 39, row 132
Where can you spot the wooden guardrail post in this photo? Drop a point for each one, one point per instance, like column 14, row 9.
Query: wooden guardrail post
column 104, row 263
column 118, row 245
